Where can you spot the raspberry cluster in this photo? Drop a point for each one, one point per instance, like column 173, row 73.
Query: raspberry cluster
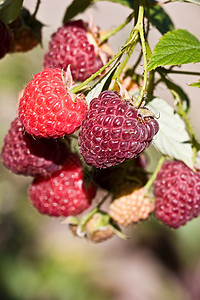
column 58, row 188
column 47, row 111
column 71, row 145
column 177, row 193
column 113, row 131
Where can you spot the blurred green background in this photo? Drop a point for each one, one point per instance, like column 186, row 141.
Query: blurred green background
column 41, row 260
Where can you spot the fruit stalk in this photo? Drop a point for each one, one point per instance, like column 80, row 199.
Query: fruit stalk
column 155, row 172
column 190, row 130
column 129, row 46
column 170, row 71
column 139, row 27
column 84, row 83
column 87, row 217
column 124, row 63
column 130, row 43
column 115, row 30
column 36, row 8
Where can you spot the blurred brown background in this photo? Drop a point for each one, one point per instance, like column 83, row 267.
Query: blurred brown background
column 40, row 259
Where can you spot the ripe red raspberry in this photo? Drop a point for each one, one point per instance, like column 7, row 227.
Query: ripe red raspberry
column 177, row 192
column 47, row 109
column 64, row 193
column 27, row 156
column 6, row 39
column 131, row 207
column 73, row 44
column 114, row 131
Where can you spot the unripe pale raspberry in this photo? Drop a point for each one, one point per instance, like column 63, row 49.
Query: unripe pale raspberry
column 131, row 207
column 6, row 39
column 98, row 228
column 27, row 156
column 47, row 109
column 177, row 192
column 74, row 45
column 64, row 193
column 113, row 131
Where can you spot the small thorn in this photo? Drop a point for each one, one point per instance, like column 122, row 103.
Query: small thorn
column 73, row 96
column 123, row 92
column 68, row 78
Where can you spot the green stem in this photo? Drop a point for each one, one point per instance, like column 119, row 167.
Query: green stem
column 84, row 83
column 126, row 47
column 103, row 200
column 123, row 64
column 36, row 8
column 139, row 27
column 130, row 44
column 154, row 175
column 86, row 218
column 115, row 30
column 190, row 130
column 148, row 49
column 136, row 63
column 182, row 72
column 151, row 85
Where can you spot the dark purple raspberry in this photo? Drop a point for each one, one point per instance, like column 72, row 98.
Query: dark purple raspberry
column 5, row 38
column 70, row 46
column 114, row 131
column 25, row 155
column 177, row 192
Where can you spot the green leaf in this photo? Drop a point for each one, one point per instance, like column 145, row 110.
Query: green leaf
column 172, row 137
column 189, row 1
column 75, row 8
column 102, row 84
column 160, row 19
column 78, row 6
column 9, row 10
column 128, row 3
column 176, row 47
column 197, row 84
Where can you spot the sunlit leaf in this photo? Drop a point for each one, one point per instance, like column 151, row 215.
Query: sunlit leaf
column 176, row 47
column 197, row 84
column 9, row 10
column 172, row 137
column 76, row 7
